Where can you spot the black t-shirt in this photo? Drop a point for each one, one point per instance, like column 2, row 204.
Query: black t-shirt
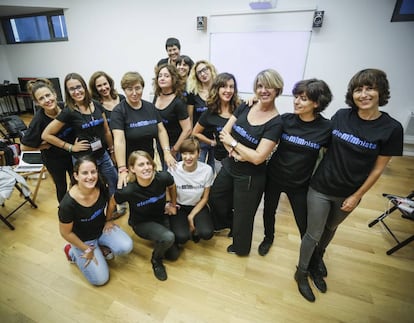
column 250, row 136
column 199, row 107
column 292, row 164
column 88, row 222
column 146, row 204
column 171, row 117
column 140, row 126
column 213, row 123
column 33, row 135
column 356, row 144
column 109, row 112
column 86, row 127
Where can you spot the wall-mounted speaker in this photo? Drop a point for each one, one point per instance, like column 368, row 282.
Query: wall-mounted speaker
column 201, row 23
column 318, row 19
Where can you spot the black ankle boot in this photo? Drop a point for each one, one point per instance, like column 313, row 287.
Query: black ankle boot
column 318, row 280
column 318, row 264
column 159, row 269
column 301, row 278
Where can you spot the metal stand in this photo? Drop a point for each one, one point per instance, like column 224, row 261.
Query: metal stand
column 381, row 218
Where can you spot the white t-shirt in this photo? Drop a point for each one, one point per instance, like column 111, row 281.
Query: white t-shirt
column 191, row 185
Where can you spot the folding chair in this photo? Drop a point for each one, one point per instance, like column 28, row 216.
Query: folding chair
column 12, row 127
column 9, row 181
column 406, row 206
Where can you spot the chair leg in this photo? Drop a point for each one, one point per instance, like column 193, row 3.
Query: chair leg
column 11, row 227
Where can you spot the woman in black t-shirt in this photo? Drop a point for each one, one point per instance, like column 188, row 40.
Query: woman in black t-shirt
column 135, row 124
column 221, row 102
column 83, row 223
column 146, row 194
column 363, row 141
column 88, row 122
column 169, row 101
column 249, row 136
column 305, row 133
column 57, row 160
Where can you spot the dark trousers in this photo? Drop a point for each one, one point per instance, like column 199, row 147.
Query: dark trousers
column 202, row 222
column 162, row 237
column 240, row 194
column 59, row 168
column 297, row 201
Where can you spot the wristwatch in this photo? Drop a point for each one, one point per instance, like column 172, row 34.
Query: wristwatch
column 234, row 143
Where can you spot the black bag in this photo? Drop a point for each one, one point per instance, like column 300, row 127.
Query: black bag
column 8, row 154
column 14, row 126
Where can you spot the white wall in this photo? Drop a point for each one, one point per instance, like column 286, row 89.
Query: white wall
column 130, row 35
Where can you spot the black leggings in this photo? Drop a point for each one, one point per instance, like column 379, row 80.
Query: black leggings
column 59, row 168
column 297, row 201
column 202, row 222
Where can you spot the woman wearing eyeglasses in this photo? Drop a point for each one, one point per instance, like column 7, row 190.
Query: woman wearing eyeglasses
column 90, row 127
column 136, row 123
column 199, row 84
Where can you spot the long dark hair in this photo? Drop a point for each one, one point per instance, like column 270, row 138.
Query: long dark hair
column 70, row 102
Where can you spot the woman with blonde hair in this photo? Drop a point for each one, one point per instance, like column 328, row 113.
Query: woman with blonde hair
column 249, row 137
column 199, row 84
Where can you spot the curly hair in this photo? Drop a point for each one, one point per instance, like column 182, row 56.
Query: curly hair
column 193, row 82
column 177, row 82
column 214, row 102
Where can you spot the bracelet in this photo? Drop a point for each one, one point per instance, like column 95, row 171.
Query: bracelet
column 167, row 149
column 64, row 144
column 122, row 169
column 111, row 149
column 70, row 148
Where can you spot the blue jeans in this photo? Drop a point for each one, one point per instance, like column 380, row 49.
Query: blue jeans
column 107, row 169
column 98, row 274
column 207, row 154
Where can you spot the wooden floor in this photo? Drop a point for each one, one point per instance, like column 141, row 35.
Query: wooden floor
column 206, row 284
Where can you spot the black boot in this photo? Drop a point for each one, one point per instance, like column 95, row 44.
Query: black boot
column 316, row 272
column 159, row 269
column 265, row 246
column 318, row 264
column 318, row 280
column 301, row 278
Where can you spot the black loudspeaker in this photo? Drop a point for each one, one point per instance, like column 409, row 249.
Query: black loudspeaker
column 318, row 19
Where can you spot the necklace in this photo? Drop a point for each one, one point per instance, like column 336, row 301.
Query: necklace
column 167, row 93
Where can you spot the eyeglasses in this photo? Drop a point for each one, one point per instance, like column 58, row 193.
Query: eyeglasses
column 75, row 88
column 204, row 70
column 131, row 89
